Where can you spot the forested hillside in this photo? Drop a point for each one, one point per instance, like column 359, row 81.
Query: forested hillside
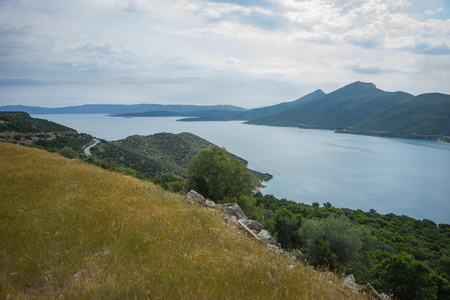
column 20, row 127
column 362, row 108
column 158, row 154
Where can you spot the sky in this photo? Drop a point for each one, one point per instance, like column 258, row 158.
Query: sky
column 249, row 53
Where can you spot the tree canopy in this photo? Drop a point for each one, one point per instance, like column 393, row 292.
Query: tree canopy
column 217, row 175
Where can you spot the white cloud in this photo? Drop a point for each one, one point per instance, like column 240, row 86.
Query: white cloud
column 432, row 12
column 193, row 45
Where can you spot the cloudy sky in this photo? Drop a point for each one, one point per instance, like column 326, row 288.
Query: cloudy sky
column 248, row 53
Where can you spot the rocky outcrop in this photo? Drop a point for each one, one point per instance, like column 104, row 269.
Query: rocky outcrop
column 233, row 209
column 349, row 283
column 233, row 215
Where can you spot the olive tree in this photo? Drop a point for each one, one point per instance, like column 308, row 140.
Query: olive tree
column 217, row 175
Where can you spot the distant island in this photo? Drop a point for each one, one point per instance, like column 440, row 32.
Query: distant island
column 358, row 108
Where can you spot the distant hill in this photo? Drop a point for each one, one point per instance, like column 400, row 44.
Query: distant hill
column 426, row 116
column 152, row 155
column 158, row 154
column 20, row 127
column 358, row 108
column 274, row 109
column 118, row 108
column 362, row 108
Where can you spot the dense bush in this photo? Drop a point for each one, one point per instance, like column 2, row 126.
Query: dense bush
column 216, row 175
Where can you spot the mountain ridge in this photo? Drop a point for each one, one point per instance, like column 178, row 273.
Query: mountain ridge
column 362, row 108
column 357, row 108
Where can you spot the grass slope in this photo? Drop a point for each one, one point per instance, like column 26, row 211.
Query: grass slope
column 74, row 231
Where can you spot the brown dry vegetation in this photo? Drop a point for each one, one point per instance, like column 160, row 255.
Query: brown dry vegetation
column 71, row 230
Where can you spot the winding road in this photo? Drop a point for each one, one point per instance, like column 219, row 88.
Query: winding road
column 87, row 150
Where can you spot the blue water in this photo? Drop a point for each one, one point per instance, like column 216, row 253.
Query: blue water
column 405, row 177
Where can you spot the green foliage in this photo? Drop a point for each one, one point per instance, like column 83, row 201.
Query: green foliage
column 68, row 152
column 159, row 154
column 405, row 277
column 286, row 226
column 111, row 166
column 171, row 182
column 335, row 241
column 24, row 123
column 216, row 175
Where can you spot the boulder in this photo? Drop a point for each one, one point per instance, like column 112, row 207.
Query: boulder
column 233, row 209
column 247, row 230
column 195, row 197
column 210, row 203
column 265, row 236
column 253, row 225
column 368, row 289
column 349, row 283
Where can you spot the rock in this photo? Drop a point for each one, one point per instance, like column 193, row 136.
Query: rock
column 368, row 289
column 210, row 203
column 233, row 209
column 349, row 282
column 253, row 225
column 247, row 230
column 195, row 197
column 265, row 236
column 274, row 248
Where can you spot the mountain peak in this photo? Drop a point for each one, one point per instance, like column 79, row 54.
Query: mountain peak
column 362, row 85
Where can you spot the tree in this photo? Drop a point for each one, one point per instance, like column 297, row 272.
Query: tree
column 217, row 175
column 335, row 241
column 406, row 277
column 68, row 152
column 286, row 227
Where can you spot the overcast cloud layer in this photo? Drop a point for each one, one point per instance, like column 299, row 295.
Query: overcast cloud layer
column 248, row 53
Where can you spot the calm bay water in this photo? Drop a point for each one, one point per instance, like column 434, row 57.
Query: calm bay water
column 405, row 177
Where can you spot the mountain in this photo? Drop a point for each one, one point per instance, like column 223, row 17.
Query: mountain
column 342, row 108
column 362, row 108
column 117, row 108
column 274, row 109
column 153, row 155
column 251, row 113
column 426, row 116
column 160, row 153
column 72, row 230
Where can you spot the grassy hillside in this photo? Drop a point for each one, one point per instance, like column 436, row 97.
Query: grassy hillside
column 74, row 231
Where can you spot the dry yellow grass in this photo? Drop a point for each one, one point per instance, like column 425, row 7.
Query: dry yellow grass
column 74, row 231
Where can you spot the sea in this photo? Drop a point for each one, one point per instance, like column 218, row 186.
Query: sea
column 401, row 176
